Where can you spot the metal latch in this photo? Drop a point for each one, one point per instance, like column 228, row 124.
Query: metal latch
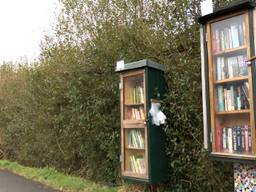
column 249, row 61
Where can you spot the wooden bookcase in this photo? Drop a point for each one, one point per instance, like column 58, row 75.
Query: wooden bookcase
column 142, row 144
column 228, row 47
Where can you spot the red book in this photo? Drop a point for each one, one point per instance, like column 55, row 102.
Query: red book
column 219, row 139
column 246, row 138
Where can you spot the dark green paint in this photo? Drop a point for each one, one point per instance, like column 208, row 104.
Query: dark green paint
column 156, row 89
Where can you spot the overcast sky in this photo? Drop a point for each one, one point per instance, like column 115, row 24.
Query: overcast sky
column 23, row 23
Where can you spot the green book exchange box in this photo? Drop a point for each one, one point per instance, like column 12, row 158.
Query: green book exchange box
column 143, row 157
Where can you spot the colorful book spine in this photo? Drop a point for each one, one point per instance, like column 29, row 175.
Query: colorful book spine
column 230, row 142
column 235, row 36
column 219, row 68
column 249, row 139
column 137, row 164
column 246, row 138
column 234, row 139
column 242, row 139
column 220, row 98
column 219, row 139
column 224, row 138
column 238, row 134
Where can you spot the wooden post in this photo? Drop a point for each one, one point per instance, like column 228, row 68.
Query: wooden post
column 153, row 188
column 244, row 178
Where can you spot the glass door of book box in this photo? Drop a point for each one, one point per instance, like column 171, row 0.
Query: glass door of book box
column 134, row 131
column 231, row 102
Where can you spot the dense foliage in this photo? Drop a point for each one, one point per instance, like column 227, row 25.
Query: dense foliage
column 64, row 111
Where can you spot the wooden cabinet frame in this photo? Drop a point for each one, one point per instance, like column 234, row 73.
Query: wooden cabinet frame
column 132, row 124
column 244, row 116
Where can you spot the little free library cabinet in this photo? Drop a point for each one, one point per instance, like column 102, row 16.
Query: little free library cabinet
column 230, row 88
column 143, row 157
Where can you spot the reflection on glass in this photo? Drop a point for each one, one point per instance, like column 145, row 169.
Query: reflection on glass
column 228, row 47
column 135, row 138
column 134, row 98
column 233, row 133
column 232, row 96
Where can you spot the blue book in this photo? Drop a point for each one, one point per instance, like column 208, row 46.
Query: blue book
column 221, row 98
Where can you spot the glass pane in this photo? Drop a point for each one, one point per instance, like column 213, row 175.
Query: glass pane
column 135, row 138
column 134, row 98
column 135, row 150
column 230, row 65
column 233, row 132
column 228, row 34
column 232, row 96
column 228, row 47
column 135, row 162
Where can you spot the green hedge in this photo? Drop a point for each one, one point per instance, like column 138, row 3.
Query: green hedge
column 63, row 111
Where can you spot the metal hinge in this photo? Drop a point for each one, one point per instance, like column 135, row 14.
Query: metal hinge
column 120, row 86
column 121, row 158
column 211, row 137
column 206, row 37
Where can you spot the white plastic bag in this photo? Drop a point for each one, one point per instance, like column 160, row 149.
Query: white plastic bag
column 158, row 117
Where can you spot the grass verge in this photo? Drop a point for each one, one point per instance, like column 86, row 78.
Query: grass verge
column 54, row 179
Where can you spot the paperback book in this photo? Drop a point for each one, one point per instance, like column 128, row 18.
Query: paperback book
column 236, row 139
column 228, row 37
column 232, row 97
column 135, row 139
column 137, row 164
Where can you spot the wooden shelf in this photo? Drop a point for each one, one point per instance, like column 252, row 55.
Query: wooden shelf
column 234, row 155
column 134, row 104
column 229, row 50
column 234, row 79
column 136, row 175
column 133, row 148
column 233, row 112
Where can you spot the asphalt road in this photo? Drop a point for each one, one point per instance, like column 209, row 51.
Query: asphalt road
column 10, row 182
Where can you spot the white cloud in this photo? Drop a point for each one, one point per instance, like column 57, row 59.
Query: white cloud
column 23, row 24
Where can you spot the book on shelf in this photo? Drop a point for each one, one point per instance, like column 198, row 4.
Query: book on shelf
column 135, row 113
column 229, row 67
column 135, row 139
column 137, row 164
column 236, row 139
column 219, row 139
column 233, row 97
column 228, row 37
column 136, row 95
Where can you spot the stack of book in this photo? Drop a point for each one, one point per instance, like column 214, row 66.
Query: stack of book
column 135, row 139
column 237, row 139
column 136, row 95
column 137, row 164
column 228, row 37
column 135, row 113
column 233, row 66
column 233, row 97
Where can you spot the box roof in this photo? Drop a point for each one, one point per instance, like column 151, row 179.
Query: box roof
column 141, row 64
column 232, row 7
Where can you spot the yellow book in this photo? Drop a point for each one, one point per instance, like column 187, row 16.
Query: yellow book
column 142, row 115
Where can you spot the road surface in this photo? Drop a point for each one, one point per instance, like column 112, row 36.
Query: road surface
column 10, row 182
